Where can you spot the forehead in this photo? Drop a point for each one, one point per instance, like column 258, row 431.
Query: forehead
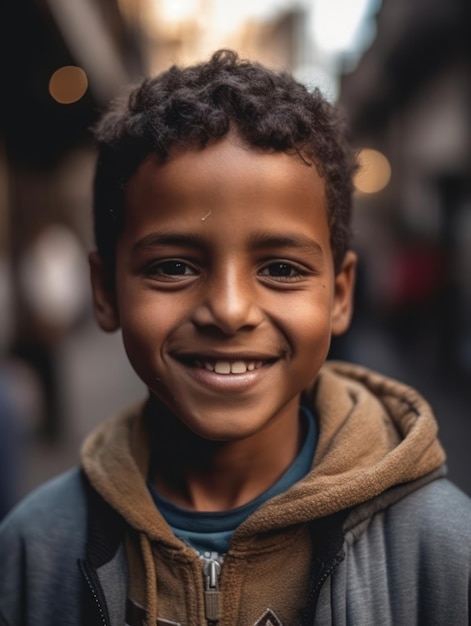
column 227, row 181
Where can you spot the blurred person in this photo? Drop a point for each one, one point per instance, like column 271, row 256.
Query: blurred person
column 415, row 287
column 9, row 449
column 257, row 484
column 20, row 403
column 52, row 277
column 20, row 399
column 12, row 415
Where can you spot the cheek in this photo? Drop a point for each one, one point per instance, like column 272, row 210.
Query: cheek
column 313, row 342
column 142, row 334
column 308, row 332
column 308, row 323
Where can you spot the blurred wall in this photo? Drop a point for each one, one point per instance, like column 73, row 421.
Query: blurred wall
column 410, row 98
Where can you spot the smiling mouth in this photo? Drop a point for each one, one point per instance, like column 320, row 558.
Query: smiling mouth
column 226, row 367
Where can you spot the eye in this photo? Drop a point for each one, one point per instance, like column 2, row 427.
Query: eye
column 281, row 270
column 170, row 268
column 278, row 269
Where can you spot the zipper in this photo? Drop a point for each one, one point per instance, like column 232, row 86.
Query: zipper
column 88, row 574
column 313, row 594
column 211, row 574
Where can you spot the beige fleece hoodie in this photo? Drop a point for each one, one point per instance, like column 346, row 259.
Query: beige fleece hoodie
column 374, row 433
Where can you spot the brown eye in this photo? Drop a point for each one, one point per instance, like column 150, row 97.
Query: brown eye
column 173, row 268
column 280, row 270
column 169, row 268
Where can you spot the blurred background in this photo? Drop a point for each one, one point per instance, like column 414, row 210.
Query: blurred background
column 401, row 72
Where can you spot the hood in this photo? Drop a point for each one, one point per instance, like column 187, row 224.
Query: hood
column 374, row 433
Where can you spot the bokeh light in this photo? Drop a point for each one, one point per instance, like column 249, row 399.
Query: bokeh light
column 68, row 84
column 374, row 173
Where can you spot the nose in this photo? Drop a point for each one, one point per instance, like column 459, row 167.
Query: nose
column 228, row 301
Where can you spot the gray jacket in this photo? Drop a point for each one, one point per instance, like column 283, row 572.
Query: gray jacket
column 402, row 559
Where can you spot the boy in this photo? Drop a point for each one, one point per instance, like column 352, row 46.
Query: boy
column 256, row 486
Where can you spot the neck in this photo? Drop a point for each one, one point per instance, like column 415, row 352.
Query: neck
column 217, row 475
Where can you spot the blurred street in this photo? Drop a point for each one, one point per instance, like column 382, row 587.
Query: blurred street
column 97, row 381
column 400, row 72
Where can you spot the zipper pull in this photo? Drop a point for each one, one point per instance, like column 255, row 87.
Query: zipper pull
column 211, row 571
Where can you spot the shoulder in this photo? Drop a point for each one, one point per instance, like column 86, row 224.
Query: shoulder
column 438, row 511
column 49, row 522
column 40, row 542
column 417, row 550
column 57, row 505
column 430, row 522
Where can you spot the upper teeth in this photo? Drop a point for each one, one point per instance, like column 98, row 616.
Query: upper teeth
column 230, row 367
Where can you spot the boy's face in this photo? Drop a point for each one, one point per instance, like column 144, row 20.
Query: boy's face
column 225, row 289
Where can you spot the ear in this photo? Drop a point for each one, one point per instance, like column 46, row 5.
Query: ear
column 104, row 296
column 343, row 297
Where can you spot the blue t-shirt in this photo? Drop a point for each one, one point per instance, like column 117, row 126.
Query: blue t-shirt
column 210, row 532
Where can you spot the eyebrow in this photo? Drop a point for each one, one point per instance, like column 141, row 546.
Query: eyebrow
column 168, row 239
column 261, row 240
column 289, row 240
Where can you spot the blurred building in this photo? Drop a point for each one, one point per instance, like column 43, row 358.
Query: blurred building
column 303, row 36
column 410, row 98
column 61, row 63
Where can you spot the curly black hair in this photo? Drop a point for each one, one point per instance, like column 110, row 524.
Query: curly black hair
column 192, row 106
